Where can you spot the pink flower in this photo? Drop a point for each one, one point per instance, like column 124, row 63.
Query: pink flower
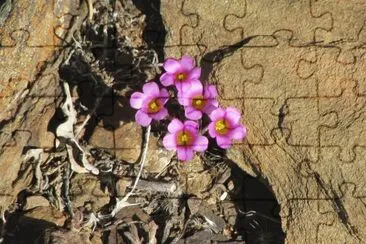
column 225, row 126
column 150, row 103
column 182, row 73
column 184, row 138
column 198, row 100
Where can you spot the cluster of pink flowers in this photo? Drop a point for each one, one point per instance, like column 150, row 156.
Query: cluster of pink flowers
column 197, row 99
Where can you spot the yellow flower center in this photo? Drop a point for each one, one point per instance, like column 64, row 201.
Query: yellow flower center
column 181, row 76
column 198, row 102
column 184, row 138
column 154, row 106
column 221, row 127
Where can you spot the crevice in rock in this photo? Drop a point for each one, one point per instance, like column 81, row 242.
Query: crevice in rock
column 337, row 205
column 281, row 116
column 258, row 219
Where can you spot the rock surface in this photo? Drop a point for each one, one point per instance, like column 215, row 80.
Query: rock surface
column 297, row 73
column 296, row 70
column 31, row 51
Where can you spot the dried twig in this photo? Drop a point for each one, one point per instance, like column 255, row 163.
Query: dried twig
column 123, row 202
column 66, row 189
column 91, row 10
column 253, row 213
column 65, row 131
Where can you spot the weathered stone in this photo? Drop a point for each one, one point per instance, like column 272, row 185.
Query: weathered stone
column 126, row 142
column 31, row 38
column 303, row 105
column 36, row 201
column 48, row 214
column 198, row 183
column 86, row 189
column 64, row 236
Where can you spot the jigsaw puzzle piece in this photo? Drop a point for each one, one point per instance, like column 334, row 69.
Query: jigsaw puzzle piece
column 21, row 62
column 295, row 219
column 284, row 168
column 349, row 131
column 266, row 17
column 259, row 121
column 354, row 205
column 230, row 75
column 351, row 212
column 19, row 105
column 174, row 20
column 45, row 23
column 348, row 18
column 335, row 172
column 331, row 76
column 209, row 29
column 351, row 50
column 280, row 79
column 304, row 120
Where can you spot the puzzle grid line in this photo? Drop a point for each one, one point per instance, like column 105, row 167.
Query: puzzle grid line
column 347, row 56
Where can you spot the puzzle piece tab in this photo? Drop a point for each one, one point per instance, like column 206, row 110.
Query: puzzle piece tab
column 351, row 212
column 264, row 17
column 296, row 213
column 230, row 75
column 331, row 76
column 304, row 120
column 349, row 132
column 348, row 18
column 334, row 172
column 280, row 79
column 209, row 29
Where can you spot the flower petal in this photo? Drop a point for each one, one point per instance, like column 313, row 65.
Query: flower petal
column 167, row 79
column 200, row 144
column 187, row 63
column 151, row 89
column 183, row 98
column 136, row 100
column 142, row 118
column 175, row 125
column 164, row 95
column 238, row 133
column 172, row 65
column 145, row 104
column 217, row 114
column 184, row 153
column 169, row 142
column 209, row 108
column 196, row 90
column 223, row 142
column 210, row 91
column 211, row 129
column 183, row 87
column 232, row 115
column 194, row 74
column 187, row 85
column 159, row 115
column 192, row 113
column 192, row 126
